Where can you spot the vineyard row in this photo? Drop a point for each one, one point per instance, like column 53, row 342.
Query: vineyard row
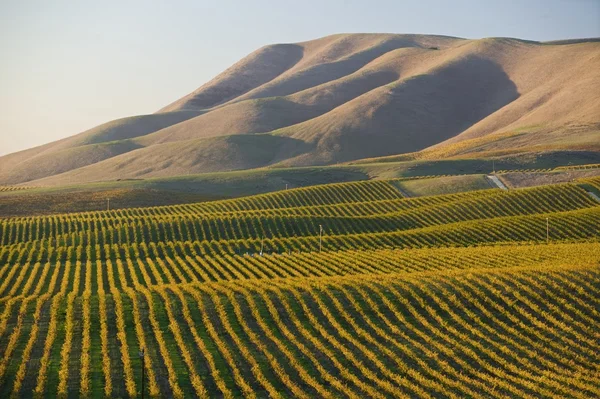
column 518, row 331
column 126, row 272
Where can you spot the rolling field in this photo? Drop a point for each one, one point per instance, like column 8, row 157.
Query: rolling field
column 414, row 178
column 339, row 290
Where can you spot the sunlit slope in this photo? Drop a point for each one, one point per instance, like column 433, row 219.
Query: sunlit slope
column 348, row 97
column 351, row 65
column 102, row 142
column 180, row 158
column 278, row 70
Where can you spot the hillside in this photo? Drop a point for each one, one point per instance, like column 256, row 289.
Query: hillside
column 413, row 178
column 344, row 98
column 337, row 290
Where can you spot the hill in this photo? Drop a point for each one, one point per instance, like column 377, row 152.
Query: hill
column 412, row 178
column 344, row 98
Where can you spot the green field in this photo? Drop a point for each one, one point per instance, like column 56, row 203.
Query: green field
column 338, row 290
column 421, row 177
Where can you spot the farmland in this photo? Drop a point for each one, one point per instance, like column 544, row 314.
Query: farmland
column 338, row 290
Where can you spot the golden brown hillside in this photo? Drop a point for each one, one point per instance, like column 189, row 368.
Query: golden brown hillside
column 343, row 98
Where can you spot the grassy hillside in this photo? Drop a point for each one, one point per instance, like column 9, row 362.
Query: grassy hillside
column 102, row 142
column 344, row 98
column 442, row 177
column 480, row 293
column 153, row 192
column 443, row 185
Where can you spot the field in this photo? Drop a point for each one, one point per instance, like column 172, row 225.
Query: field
column 338, row 290
column 412, row 177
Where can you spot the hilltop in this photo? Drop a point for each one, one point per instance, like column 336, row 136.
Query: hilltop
column 345, row 98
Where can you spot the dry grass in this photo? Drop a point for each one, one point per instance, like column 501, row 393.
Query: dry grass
column 343, row 98
column 520, row 180
column 443, row 185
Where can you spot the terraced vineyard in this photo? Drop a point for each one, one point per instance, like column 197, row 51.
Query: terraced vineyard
column 12, row 188
column 594, row 183
column 486, row 293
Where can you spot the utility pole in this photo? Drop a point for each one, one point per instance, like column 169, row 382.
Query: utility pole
column 286, row 186
column 262, row 244
column 108, row 204
column 320, row 237
column 141, row 353
column 547, row 230
column 262, row 238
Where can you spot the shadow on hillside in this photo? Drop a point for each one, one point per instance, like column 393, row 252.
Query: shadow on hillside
column 326, row 72
column 236, row 152
column 255, row 70
column 423, row 110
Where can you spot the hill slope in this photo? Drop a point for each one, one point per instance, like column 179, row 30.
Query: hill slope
column 343, row 98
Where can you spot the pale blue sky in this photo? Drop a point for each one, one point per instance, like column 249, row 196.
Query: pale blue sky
column 67, row 66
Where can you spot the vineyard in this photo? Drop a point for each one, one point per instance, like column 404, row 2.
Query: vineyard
column 12, row 188
column 594, row 183
column 340, row 290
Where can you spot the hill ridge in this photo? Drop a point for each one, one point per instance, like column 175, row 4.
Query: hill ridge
column 342, row 98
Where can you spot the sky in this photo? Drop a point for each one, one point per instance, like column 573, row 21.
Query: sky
column 67, row 66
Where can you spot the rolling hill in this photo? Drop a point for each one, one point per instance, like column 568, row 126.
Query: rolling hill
column 362, row 215
column 344, row 98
